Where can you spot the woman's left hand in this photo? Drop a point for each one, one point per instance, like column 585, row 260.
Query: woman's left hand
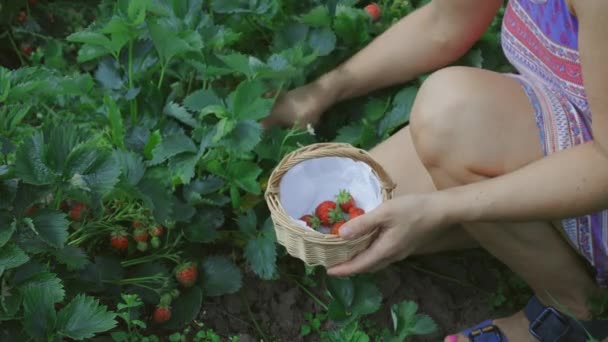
column 404, row 223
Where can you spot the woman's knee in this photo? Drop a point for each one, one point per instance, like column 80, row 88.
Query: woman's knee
column 436, row 121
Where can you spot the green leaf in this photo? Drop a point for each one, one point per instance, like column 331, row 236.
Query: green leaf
column 245, row 174
column 157, row 197
column 203, row 228
column 51, row 227
column 342, row 290
column 93, row 169
column 88, row 53
column 84, row 317
column 246, row 103
column 131, row 165
column 200, row 99
column 38, row 310
column 322, row 41
column 29, row 163
column 50, row 282
column 137, row 11
column 170, row 146
column 400, row 113
column 317, row 17
column 179, row 113
column 244, row 137
column 166, row 41
column 185, row 308
column 154, row 140
column 73, row 257
column 220, row 276
column 183, row 167
column 261, row 253
column 351, row 25
column 367, row 299
column 266, row 7
column 12, row 256
column 7, row 228
column 117, row 127
column 93, row 38
column 108, row 74
column 350, row 134
column 406, row 322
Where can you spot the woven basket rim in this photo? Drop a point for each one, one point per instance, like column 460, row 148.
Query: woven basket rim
column 312, row 151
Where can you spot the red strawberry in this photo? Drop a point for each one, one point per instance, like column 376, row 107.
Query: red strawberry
column 26, row 49
column 78, row 211
column 345, row 200
column 119, row 241
column 137, row 224
column 373, row 10
column 324, row 211
column 354, row 212
column 140, row 234
column 335, row 229
column 311, row 221
column 186, row 274
column 157, row 231
column 161, row 314
column 31, row 210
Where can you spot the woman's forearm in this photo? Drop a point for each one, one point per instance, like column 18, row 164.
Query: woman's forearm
column 566, row 184
column 427, row 39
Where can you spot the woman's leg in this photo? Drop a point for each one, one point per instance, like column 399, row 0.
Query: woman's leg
column 470, row 124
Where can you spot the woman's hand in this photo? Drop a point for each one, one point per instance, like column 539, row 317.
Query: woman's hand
column 300, row 106
column 405, row 223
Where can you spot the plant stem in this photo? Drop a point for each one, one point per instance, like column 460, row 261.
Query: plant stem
column 162, row 74
column 310, row 294
column 133, row 108
column 14, row 45
column 444, row 277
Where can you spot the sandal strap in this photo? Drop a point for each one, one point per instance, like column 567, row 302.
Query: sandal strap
column 484, row 332
column 547, row 324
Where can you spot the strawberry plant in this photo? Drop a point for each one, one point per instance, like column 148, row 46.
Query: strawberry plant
column 133, row 161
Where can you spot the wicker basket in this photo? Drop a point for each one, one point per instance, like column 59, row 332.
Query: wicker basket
column 313, row 247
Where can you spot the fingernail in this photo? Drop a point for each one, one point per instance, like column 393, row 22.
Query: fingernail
column 451, row 338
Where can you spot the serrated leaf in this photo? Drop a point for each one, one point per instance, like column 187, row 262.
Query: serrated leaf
column 73, row 257
column 185, row 308
column 237, row 62
column 203, row 228
column 12, row 256
column 245, row 174
column 322, row 41
column 261, row 254
column 170, row 146
column 183, row 166
column 351, row 25
column 244, row 137
column 38, row 310
column 93, row 169
column 137, row 11
column 367, row 299
column 7, row 228
column 84, row 317
column 342, row 290
column 407, row 322
column 51, row 226
column 108, row 75
column 166, row 41
column 200, row 99
column 180, row 113
column 157, row 197
column 400, row 113
column 50, row 282
column 117, row 127
column 93, row 38
column 317, row 17
column 246, row 102
column 30, row 164
column 220, row 276
column 350, row 134
column 153, row 141
column 131, row 165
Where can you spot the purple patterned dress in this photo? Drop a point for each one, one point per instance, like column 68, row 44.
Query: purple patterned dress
column 540, row 39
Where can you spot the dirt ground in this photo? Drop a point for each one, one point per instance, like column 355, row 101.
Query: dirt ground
column 455, row 290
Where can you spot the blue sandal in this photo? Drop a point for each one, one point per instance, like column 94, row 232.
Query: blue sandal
column 547, row 324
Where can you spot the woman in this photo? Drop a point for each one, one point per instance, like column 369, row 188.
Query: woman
column 506, row 162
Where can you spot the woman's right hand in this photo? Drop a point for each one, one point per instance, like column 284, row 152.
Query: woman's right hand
column 300, row 107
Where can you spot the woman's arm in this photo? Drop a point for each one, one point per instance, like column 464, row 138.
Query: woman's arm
column 566, row 184
column 427, row 39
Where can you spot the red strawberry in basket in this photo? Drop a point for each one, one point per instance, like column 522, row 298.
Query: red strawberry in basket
column 335, row 229
column 328, row 212
column 311, row 221
column 354, row 212
column 345, row 200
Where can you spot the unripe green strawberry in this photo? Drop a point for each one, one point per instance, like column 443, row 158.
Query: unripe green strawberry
column 142, row 246
column 155, row 242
